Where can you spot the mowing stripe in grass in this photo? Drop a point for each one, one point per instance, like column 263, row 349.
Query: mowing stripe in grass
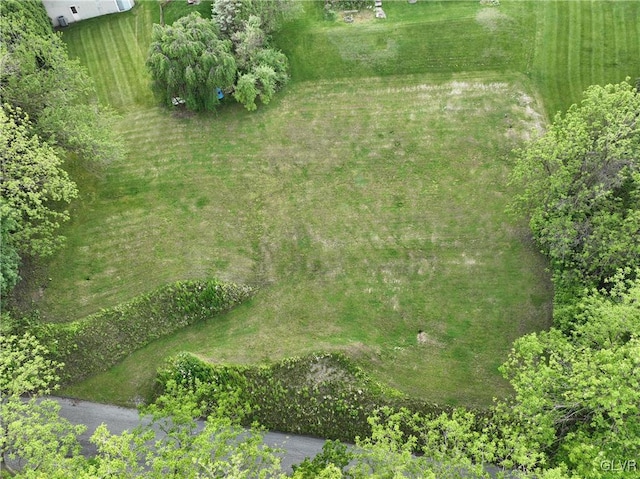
column 574, row 46
column 136, row 52
column 94, row 63
column 572, row 56
column 105, row 67
column 128, row 58
column 117, row 77
column 597, row 48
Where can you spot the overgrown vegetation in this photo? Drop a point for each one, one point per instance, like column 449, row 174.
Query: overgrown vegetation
column 99, row 341
column 573, row 388
column 323, row 394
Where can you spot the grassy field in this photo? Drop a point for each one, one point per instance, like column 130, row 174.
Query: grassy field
column 562, row 46
column 356, row 216
column 366, row 202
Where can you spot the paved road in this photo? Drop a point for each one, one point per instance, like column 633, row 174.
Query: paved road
column 118, row 419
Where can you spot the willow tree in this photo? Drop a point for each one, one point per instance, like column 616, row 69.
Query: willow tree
column 189, row 60
column 261, row 70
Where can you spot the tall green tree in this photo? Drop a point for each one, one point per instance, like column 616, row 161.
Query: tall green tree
column 9, row 257
column 190, row 60
column 34, row 440
column 33, row 187
column 194, row 58
column 37, row 76
column 578, row 394
column 34, row 190
column 580, row 187
column 261, row 70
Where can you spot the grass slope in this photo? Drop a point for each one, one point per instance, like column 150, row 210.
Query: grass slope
column 364, row 208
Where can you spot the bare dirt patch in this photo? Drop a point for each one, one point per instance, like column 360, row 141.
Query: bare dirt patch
column 491, row 18
column 361, row 16
column 323, row 371
column 425, row 340
column 526, row 120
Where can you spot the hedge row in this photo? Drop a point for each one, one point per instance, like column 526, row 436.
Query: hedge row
column 99, row 341
column 324, row 395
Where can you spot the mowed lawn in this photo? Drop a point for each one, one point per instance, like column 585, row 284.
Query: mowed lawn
column 362, row 212
column 562, row 46
column 365, row 203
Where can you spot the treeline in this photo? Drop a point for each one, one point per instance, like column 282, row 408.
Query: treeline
column 578, row 385
column 580, row 189
column 49, row 116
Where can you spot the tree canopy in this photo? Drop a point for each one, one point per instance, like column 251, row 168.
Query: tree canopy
column 195, row 58
column 49, row 115
column 189, row 60
column 33, row 184
column 577, row 384
column 35, row 442
column 579, row 393
column 33, row 437
column 38, row 77
column 34, row 189
column 261, row 70
column 580, row 187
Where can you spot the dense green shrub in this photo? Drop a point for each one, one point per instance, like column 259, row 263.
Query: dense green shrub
column 329, row 13
column 216, row 387
column 333, row 453
column 323, row 394
column 101, row 340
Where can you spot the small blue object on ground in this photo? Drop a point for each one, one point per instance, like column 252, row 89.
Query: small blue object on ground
column 220, row 94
